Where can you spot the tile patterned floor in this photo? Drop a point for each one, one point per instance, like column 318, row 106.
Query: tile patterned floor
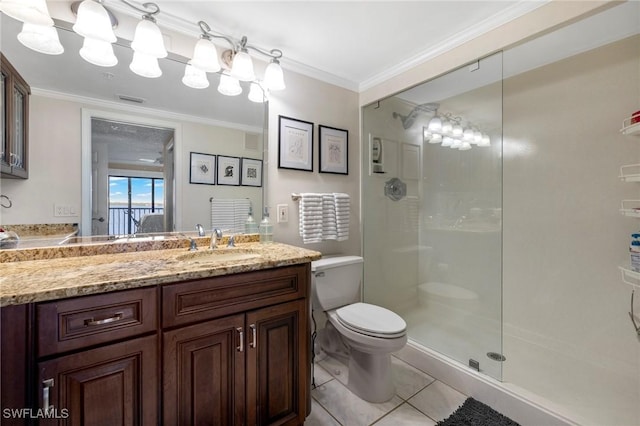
column 419, row 400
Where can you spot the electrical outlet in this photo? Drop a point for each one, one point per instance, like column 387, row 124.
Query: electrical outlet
column 283, row 213
column 64, row 210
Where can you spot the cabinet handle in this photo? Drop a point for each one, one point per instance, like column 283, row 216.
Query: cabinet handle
column 92, row 322
column 46, row 385
column 241, row 334
column 254, row 340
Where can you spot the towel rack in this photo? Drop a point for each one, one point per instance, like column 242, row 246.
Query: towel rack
column 295, row 196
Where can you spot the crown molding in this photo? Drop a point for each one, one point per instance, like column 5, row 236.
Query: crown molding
column 517, row 10
column 156, row 113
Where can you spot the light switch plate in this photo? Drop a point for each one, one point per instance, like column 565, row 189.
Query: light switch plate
column 283, row 213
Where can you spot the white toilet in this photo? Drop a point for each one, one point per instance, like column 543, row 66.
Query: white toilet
column 370, row 332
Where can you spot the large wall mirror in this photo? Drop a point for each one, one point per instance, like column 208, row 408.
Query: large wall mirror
column 107, row 146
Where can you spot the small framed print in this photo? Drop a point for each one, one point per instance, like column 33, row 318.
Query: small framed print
column 295, row 144
column 251, row 172
column 334, row 145
column 203, row 168
column 228, row 170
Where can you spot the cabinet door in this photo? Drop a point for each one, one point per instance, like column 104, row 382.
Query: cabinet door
column 110, row 385
column 203, row 373
column 277, row 361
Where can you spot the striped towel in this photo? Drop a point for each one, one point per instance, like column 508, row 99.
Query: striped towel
column 230, row 214
column 310, row 210
column 343, row 212
column 329, row 223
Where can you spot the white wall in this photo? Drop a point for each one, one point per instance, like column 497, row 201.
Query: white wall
column 55, row 164
column 320, row 103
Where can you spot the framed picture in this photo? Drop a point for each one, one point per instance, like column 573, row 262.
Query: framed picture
column 228, row 170
column 203, row 168
column 295, row 144
column 251, row 172
column 334, row 144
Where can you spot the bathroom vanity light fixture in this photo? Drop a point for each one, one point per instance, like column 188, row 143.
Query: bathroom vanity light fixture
column 96, row 23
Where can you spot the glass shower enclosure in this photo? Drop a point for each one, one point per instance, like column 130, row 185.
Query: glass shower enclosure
column 432, row 212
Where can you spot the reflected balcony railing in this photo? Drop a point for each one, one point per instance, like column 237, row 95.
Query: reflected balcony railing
column 125, row 220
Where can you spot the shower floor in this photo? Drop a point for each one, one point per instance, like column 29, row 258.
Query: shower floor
column 457, row 334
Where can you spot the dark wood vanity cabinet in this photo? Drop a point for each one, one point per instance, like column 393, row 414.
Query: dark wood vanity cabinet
column 229, row 350
column 248, row 367
column 14, row 146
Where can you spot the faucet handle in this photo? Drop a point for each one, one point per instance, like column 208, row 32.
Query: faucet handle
column 232, row 241
column 200, row 230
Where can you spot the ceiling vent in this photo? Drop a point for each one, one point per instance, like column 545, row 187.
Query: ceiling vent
column 131, row 99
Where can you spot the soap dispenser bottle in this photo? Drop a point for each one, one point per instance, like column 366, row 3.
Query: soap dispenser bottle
column 266, row 228
column 250, row 226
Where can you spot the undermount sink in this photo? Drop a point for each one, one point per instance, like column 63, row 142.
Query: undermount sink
column 207, row 256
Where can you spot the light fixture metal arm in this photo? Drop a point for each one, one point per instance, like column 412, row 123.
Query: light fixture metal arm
column 273, row 53
column 206, row 32
column 149, row 8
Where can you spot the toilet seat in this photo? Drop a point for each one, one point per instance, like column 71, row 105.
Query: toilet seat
column 371, row 320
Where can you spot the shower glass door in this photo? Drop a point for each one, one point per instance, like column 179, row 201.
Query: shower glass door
column 432, row 212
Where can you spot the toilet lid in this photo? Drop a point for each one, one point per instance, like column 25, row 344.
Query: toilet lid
column 371, row 319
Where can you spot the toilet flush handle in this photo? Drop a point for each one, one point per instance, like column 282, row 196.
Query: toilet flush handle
column 319, row 274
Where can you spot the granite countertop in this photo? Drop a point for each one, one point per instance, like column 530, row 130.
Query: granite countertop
column 49, row 279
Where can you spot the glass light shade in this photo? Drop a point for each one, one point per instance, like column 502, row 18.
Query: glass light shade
column 426, row 134
column 456, row 131
column 145, row 65
column 447, row 127
column 93, row 22
column 447, row 141
column 41, row 38
column 435, row 125
column 467, row 135
column 436, row 138
column 465, row 146
column 194, row 77
column 229, row 86
column 485, row 140
column 98, row 53
column 273, row 77
column 457, row 143
column 28, row 11
column 257, row 94
column 242, row 68
column 148, row 39
column 477, row 137
column 205, row 56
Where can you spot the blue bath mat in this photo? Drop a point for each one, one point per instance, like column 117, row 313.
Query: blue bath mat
column 475, row 413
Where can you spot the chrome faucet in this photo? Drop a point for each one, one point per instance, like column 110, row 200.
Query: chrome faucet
column 200, row 230
column 192, row 243
column 215, row 234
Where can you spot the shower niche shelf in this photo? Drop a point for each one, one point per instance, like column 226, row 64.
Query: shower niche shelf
column 630, row 173
column 630, row 129
column 630, row 277
column 630, row 208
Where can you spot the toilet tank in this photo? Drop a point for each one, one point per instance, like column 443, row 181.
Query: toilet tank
column 336, row 281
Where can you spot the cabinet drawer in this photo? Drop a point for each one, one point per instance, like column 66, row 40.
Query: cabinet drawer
column 208, row 298
column 81, row 322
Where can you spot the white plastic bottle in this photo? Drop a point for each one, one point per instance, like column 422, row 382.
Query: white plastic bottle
column 266, row 228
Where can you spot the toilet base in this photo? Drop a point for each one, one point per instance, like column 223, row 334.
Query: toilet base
column 370, row 376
